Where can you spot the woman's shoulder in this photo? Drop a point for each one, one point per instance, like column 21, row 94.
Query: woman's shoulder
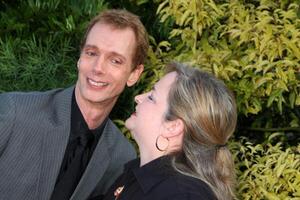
column 186, row 187
column 160, row 181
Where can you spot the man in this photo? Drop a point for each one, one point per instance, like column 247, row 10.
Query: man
column 60, row 144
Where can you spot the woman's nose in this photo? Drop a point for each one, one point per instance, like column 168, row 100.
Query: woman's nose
column 138, row 98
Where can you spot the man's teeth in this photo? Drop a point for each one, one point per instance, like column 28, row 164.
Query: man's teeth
column 98, row 84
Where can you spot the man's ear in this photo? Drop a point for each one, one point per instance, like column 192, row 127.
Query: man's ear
column 174, row 128
column 78, row 63
column 135, row 75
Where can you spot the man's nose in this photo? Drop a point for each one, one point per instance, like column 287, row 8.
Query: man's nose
column 99, row 66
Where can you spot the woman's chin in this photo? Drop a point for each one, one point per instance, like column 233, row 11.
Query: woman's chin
column 128, row 123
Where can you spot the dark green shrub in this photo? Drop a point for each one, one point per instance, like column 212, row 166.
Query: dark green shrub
column 32, row 65
column 40, row 39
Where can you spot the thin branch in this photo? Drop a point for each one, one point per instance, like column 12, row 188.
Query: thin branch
column 293, row 129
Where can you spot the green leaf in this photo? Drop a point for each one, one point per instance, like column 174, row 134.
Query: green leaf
column 292, row 99
column 184, row 17
column 297, row 102
column 161, row 6
column 260, row 81
column 274, row 95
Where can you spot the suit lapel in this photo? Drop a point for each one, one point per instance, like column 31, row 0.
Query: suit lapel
column 55, row 142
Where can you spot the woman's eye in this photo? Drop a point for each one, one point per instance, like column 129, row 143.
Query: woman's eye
column 150, row 97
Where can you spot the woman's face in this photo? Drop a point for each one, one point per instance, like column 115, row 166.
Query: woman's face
column 147, row 122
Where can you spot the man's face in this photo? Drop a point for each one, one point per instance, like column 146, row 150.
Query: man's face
column 105, row 65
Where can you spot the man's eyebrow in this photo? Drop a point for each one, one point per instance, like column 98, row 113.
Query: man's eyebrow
column 90, row 46
column 117, row 54
column 112, row 52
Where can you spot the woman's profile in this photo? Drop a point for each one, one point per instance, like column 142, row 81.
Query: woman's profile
column 181, row 127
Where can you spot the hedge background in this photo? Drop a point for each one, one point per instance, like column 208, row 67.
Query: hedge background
column 254, row 46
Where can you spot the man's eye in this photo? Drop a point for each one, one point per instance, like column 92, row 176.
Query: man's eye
column 116, row 61
column 90, row 53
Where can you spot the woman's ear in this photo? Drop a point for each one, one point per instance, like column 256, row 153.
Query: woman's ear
column 174, row 128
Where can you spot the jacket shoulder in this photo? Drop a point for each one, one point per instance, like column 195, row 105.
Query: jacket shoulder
column 29, row 108
column 7, row 118
column 118, row 142
column 33, row 97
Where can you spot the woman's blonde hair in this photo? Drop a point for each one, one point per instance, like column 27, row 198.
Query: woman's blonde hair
column 208, row 110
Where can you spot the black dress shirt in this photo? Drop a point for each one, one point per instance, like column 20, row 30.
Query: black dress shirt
column 157, row 180
column 70, row 175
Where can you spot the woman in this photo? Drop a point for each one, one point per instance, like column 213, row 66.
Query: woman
column 181, row 127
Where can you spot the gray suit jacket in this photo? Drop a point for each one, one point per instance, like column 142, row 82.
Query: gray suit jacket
column 34, row 132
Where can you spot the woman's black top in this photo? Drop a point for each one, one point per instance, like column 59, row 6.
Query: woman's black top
column 157, row 180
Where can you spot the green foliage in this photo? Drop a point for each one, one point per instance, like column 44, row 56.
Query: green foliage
column 270, row 64
column 66, row 18
column 39, row 44
column 29, row 64
column 255, row 49
column 267, row 171
column 191, row 17
column 146, row 10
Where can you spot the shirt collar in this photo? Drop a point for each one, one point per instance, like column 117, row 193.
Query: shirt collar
column 151, row 173
column 78, row 123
